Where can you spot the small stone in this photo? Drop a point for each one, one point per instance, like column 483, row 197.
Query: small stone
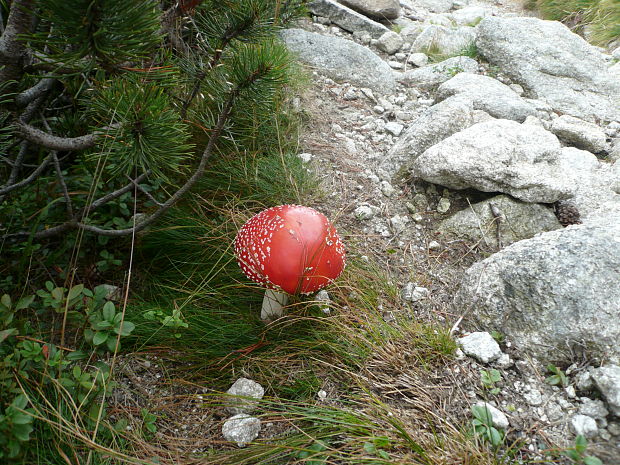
column 378, row 109
column 420, row 201
column 350, row 94
column 322, row 395
column 570, row 392
column 394, row 128
column 305, row 157
column 395, row 64
column 584, row 425
column 607, row 381
column 390, row 42
column 443, row 205
column 533, row 397
column 244, row 390
column 418, row 59
column 583, row 381
column 399, row 223
column 434, row 245
column 614, row 428
column 504, row 361
column 593, row 408
column 499, row 418
column 364, row 212
column 414, row 293
column 411, row 207
column 387, row 189
column 241, row 429
column 481, row 346
column 554, row 411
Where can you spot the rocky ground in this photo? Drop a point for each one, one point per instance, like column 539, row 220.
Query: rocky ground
column 372, row 142
column 455, row 165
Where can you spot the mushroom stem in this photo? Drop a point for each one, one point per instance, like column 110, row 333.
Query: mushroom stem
column 273, row 304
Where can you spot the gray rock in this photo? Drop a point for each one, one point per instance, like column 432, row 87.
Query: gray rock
column 413, row 293
column 443, row 205
column 418, row 59
column 394, row 128
column 499, row 156
column 593, row 408
column 519, row 220
column 398, row 223
column 437, row 6
column 481, row 346
column 246, row 394
column 365, row 212
column 533, row 397
column 487, row 94
column 341, row 59
column 376, row 9
column 442, row 19
column 441, row 40
column 348, row 19
column 581, row 134
column 597, row 192
column 552, row 64
column 432, row 75
column 607, row 381
column 552, row 294
column 471, row 15
column 499, row 418
column 584, row 425
column 434, row 125
column 241, row 429
column 390, row 42
column 387, row 189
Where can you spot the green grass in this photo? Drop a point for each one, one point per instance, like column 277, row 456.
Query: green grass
column 601, row 16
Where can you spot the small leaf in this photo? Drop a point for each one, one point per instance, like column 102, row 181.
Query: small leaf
column 21, row 419
column 128, row 327
column 370, row 448
column 108, row 311
column 57, row 294
column 75, row 291
column 24, row 302
column 22, row 432
column 77, row 372
column 5, row 300
column 102, row 325
column 383, row 454
column 100, row 337
column 151, row 427
column 495, row 436
column 20, row 402
column 111, row 343
column 589, row 460
column 49, row 285
column 6, row 333
column 76, row 355
column 581, row 443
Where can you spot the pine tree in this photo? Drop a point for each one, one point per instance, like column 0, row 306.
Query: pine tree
column 100, row 98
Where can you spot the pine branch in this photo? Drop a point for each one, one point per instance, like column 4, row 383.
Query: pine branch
column 59, row 175
column 52, row 142
column 40, row 88
column 12, row 48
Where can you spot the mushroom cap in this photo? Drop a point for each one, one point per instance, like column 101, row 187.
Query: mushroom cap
column 290, row 248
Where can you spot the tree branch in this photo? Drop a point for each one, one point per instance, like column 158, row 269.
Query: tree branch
column 52, row 142
column 145, row 192
column 24, row 98
column 29, row 179
column 12, row 49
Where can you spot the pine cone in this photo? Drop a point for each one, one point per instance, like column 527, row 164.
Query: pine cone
column 567, row 213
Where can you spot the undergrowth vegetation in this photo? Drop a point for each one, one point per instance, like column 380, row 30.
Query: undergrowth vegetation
column 600, row 17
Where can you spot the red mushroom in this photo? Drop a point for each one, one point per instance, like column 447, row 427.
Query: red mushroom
column 289, row 249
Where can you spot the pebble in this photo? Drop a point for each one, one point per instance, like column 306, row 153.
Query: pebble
column 434, row 245
column 413, row 293
column 499, row 418
column 533, row 397
column 247, row 389
column 394, row 128
column 387, row 189
column 481, row 346
column 364, row 212
column 584, row 425
column 241, row 429
column 443, row 205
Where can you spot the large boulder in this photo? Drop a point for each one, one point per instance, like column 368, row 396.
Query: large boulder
column 446, row 41
column 488, row 94
column 430, row 76
column 554, row 295
column 376, row 9
column 518, row 220
column 348, row 19
column 341, row 59
column 552, row 64
column 432, row 126
column 499, row 156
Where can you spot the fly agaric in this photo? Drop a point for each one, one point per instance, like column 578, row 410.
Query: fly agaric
column 289, row 249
